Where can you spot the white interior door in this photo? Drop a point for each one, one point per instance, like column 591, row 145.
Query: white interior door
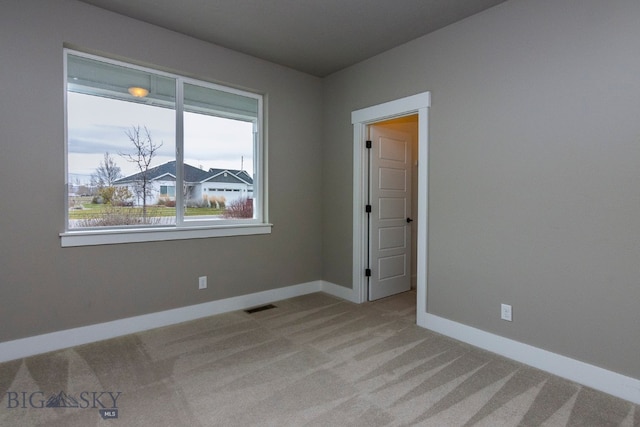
column 390, row 222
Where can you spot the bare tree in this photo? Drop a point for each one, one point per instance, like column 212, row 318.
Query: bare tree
column 144, row 152
column 106, row 173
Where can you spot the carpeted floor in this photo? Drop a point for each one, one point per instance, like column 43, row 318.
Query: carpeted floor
column 313, row 360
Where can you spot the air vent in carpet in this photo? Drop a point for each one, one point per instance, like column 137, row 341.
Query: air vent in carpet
column 261, row 308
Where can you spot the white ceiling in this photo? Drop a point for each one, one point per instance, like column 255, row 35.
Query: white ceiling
column 318, row 37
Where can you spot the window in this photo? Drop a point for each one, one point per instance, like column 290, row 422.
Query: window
column 143, row 148
column 167, row 191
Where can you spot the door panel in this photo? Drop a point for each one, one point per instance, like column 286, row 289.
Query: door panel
column 392, row 208
column 393, row 179
column 390, row 243
column 393, row 149
column 392, row 238
column 392, row 267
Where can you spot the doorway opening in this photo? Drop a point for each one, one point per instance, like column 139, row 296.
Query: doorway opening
column 391, row 189
column 393, row 113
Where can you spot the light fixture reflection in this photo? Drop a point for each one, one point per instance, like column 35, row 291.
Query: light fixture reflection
column 138, row 92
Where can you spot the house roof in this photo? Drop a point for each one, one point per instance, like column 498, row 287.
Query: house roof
column 228, row 175
column 192, row 175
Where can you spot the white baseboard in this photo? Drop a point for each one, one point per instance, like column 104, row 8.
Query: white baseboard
column 341, row 292
column 24, row 347
column 592, row 376
column 589, row 375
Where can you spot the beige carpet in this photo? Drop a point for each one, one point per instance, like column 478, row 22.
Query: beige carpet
column 313, row 360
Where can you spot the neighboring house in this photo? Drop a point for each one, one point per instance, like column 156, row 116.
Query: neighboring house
column 202, row 186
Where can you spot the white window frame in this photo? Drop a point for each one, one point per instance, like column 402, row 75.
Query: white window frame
column 183, row 229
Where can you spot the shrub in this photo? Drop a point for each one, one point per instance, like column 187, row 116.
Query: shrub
column 240, row 208
column 217, row 202
column 120, row 215
column 203, row 203
column 116, row 196
column 165, row 201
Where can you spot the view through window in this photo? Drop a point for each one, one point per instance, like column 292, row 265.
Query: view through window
column 151, row 149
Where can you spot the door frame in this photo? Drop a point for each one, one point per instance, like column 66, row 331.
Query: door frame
column 416, row 104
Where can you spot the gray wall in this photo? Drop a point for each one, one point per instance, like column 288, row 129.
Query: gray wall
column 534, row 181
column 44, row 287
column 534, row 194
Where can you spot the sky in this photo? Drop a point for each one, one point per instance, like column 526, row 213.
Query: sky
column 97, row 125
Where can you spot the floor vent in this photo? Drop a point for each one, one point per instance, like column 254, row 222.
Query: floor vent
column 261, row 308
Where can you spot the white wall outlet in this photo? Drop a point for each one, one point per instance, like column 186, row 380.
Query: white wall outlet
column 202, row 282
column 505, row 312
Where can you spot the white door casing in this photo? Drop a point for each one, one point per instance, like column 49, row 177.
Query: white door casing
column 390, row 231
column 419, row 104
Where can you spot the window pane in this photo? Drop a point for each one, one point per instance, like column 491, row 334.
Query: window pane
column 125, row 125
column 219, row 154
column 121, row 148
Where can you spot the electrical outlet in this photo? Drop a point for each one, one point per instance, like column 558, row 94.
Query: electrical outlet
column 202, row 282
column 505, row 312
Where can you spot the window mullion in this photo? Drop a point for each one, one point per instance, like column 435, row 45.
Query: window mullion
column 180, row 185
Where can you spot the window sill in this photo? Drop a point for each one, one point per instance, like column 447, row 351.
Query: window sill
column 113, row 237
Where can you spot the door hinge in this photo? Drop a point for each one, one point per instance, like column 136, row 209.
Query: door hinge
column 369, row 145
column 367, row 209
column 367, row 272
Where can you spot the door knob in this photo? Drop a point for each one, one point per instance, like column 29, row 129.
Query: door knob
column 409, row 220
